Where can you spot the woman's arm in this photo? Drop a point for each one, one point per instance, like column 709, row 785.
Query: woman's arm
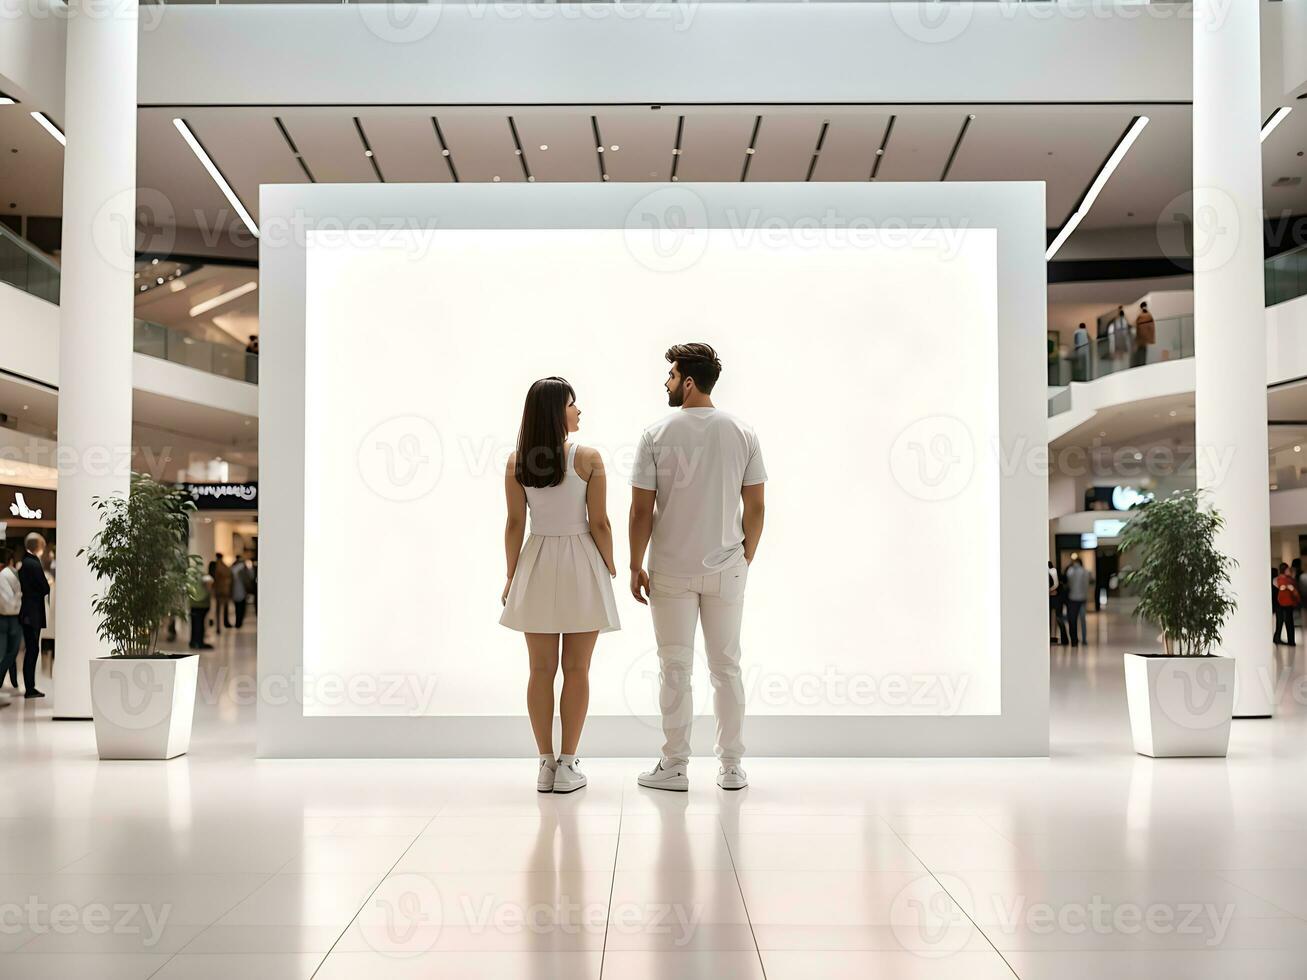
column 596, row 502
column 515, row 526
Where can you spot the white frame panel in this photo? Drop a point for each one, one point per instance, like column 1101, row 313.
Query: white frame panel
column 1015, row 210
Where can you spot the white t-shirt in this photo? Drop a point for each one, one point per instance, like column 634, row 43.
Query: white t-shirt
column 697, row 459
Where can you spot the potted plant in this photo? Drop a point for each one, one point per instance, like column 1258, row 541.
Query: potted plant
column 1182, row 697
column 142, row 699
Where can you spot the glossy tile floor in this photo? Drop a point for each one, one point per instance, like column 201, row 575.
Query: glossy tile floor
column 1092, row 863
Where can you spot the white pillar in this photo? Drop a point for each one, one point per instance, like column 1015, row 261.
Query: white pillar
column 95, row 316
column 1230, row 326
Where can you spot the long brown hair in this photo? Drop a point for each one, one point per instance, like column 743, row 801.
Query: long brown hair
column 540, row 438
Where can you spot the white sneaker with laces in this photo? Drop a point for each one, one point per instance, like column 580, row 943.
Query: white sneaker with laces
column 732, row 777
column 666, row 775
column 569, row 778
column 545, row 778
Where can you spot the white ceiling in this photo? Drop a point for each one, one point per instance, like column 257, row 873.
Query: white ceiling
column 1062, row 145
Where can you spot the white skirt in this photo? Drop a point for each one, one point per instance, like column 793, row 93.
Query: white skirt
column 561, row 586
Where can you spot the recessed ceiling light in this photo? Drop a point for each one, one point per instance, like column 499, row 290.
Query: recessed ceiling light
column 50, row 127
column 1173, row 413
column 1277, row 117
column 154, row 261
column 496, row 178
column 216, row 175
column 544, row 146
column 367, row 153
column 614, row 148
column 1139, row 456
column 1296, row 449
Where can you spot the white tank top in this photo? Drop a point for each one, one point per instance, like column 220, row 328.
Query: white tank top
column 559, row 511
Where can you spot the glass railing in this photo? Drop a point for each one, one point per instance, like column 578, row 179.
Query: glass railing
column 1118, row 352
column 1286, row 276
column 27, row 268
column 172, row 345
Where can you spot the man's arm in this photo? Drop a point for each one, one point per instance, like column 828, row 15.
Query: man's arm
column 754, row 510
column 641, row 529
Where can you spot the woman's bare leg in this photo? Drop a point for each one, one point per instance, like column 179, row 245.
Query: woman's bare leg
column 575, row 701
column 542, row 649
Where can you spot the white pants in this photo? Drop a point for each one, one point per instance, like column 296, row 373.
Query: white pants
column 677, row 603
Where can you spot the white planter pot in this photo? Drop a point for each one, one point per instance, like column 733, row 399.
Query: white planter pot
column 1180, row 706
column 143, row 706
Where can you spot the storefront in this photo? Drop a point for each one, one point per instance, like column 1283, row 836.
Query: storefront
column 225, row 521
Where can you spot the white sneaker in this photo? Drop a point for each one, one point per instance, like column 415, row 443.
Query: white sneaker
column 665, row 775
column 545, row 778
column 569, row 778
column 732, row 777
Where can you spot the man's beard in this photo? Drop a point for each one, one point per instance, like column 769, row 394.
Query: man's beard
column 676, row 397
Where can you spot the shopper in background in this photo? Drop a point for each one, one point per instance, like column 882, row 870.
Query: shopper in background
column 1286, row 601
column 1056, row 602
column 241, row 581
column 31, row 616
column 1080, row 346
column 11, row 604
column 221, row 593
column 1077, row 594
column 1145, row 336
column 201, row 597
column 697, row 498
column 1300, row 577
column 253, row 346
column 559, row 589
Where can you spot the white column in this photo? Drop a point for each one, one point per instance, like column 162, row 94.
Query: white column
column 95, row 316
column 1230, row 326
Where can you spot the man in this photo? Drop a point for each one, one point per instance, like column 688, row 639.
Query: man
column 1145, row 336
column 241, row 582
column 221, row 593
column 31, row 615
column 11, row 604
column 694, row 472
column 1080, row 346
column 1286, row 601
column 1077, row 594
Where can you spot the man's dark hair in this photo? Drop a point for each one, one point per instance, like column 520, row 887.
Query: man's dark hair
column 1283, row 567
column 697, row 361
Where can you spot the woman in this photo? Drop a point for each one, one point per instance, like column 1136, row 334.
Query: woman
column 560, row 582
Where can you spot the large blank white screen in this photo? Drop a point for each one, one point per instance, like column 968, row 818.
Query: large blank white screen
column 869, row 596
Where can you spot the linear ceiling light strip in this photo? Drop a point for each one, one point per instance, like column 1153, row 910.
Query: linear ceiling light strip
column 1275, row 119
column 1113, row 161
column 816, row 150
column 880, row 151
column 367, row 150
column 207, row 161
column 957, row 145
column 521, row 153
column 295, row 150
column 444, row 149
column 751, row 148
